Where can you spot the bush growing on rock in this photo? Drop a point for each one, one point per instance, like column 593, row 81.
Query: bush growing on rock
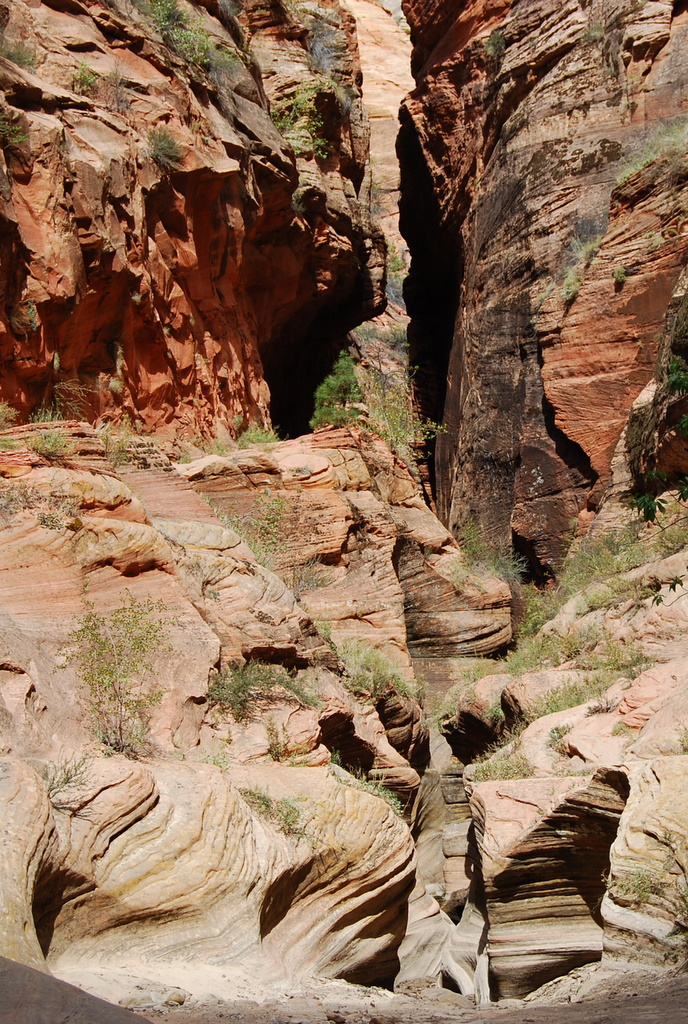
column 239, row 689
column 499, row 559
column 8, row 415
column 358, row 779
column 113, row 654
column 51, row 444
column 369, row 671
column 164, row 149
column 283, row 813
column 260, row 527
column 257, row 434
column 502, row 764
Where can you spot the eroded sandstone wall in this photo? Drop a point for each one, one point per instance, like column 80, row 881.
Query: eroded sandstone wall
column 544, row 204
column 180, row 290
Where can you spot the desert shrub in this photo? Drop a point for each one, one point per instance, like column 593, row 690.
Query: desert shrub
column 117, row 448
column 51, row 445
column 582, row 253
column 639, row 886
column 114, row 91
column 620, row 274
column 257, row 434
column 8, row 415
column 358, row 779
column 505, row 763
column 190, row 42
column 561, row 698
column 17, row 53
column 499, row 559
column 64, row 775
column 391, row 412
column 261, row 527
column 369, row 671
column 10, row 133
column 239, row 689
column 164, row 149
column 594, row 33
column 556, row 737
column 335, row 394
column 312, row 575
column 665, row 141
column 112, row 654
column 284, row 813
column 495, row 44
column 604, row 705
column 277, row 740
column 621, row 729
column 85, row 80
column 297, row 118
column 682, row 741
column 594, row 560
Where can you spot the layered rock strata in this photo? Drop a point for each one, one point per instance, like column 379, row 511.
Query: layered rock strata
column 233, row 841
column 542, row 199
column 574, row 773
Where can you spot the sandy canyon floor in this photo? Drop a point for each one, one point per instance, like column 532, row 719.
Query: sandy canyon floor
column 597, row 995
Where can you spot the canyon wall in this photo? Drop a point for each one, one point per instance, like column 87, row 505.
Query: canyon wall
column 543, row 200
column 168, row 253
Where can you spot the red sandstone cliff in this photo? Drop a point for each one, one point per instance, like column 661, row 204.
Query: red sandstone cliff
column 544, row 197
column 180, row 287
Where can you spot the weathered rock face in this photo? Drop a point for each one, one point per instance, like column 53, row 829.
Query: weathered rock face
column 542, row 192
column 575, row 773
column 173, row 277
column 361, row 548
column 233, row 841
column 385, row 50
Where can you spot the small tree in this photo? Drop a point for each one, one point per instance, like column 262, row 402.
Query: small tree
column 113, row 653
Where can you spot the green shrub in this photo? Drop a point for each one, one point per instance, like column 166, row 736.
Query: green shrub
column 621, row 729
column 556, row 737
column 164, row 149
column 257, row 434
column 495, row 44
column 358, row 779
column 277, row 739
column 85, row 80
column 190, row 42
column 51, row 445
column 112, row 654
column 283, row 813
column 498, row 559
column 64, row 775
column 502, row 764
column 261, row 527
column 239, row 689
column 639, row 886
column 335, row 393
column 620, row 274
column 666, row 141
column 8, row 416
column 561, row 698
column 17, row 53
column 297, row 118
column 369, row 672
column 594, row 33
column 10, row 133
column 391, row 412
column 301, row 579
